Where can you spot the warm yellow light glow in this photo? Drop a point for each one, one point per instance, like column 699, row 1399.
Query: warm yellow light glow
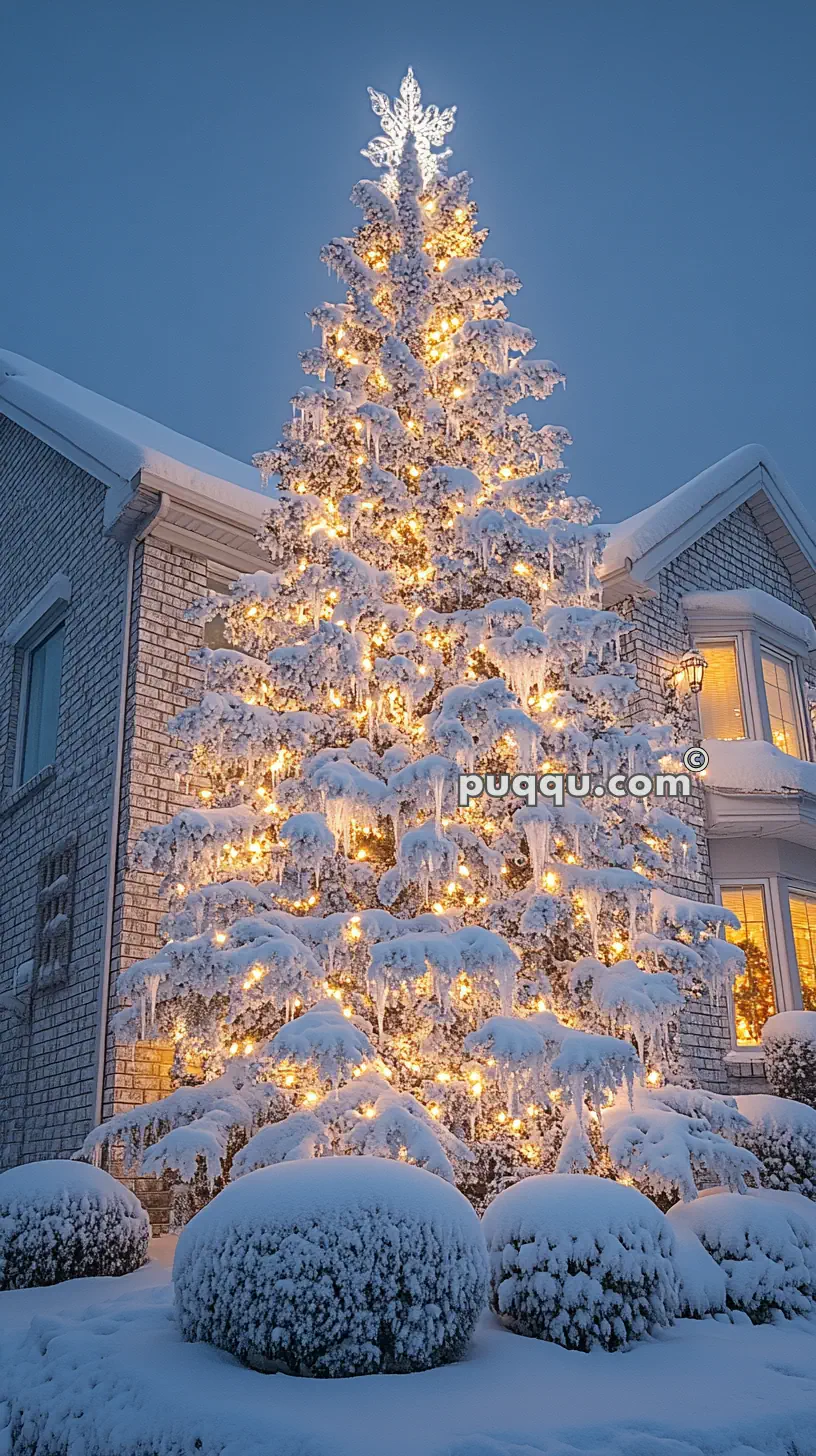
column 458, row 392
column 220, row 937
column 205, row 794
column 311, row 1097
column 362, row 854
column 443, row 1076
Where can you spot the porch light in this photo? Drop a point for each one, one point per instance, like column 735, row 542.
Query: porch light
column 693, row 665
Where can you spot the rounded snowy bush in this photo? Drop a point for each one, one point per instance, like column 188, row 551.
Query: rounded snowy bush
column 782, row 1134
column 581, row 1261
column 334, row 1266
column 766, row 1250
column 789, row 1045
column 64, row 1220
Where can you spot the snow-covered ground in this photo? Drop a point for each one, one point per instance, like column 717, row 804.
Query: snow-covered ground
column 103, row 1367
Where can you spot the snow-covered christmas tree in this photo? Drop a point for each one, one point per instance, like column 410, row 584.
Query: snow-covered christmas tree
column 354, row 962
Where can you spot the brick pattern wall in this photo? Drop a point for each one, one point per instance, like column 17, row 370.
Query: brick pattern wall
column 50, row 521
column 735, row 554
column 162, row 681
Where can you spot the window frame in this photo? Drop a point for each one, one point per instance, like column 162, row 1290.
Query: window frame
column 774, row 923
column 769, row 649
column 47, row 630
column 800, row 891
column 747, row 706
column 750, row 647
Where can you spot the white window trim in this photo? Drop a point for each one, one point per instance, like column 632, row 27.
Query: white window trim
column 777, row 948
column 805, row 892
column 749, row 647
column 725, row 620
column 32, row 643
column 802, row 717
column 777, row 890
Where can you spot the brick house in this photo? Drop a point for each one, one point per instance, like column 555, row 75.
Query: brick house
column 113, row 523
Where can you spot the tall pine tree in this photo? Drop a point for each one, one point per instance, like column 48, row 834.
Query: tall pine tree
column 354, row 963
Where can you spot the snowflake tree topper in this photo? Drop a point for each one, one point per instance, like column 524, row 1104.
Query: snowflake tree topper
column 408, row 117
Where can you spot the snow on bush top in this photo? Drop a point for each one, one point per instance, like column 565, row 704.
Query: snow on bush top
column 331, row 1189
column 779, row 1114
column 58, row 1181
column 336, row 1266
column 782, row 1134
column 798, row 1025
column 65, row 1220
column 767, row 1251
column 580, row 1260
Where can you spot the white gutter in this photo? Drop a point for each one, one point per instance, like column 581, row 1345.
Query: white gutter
column 116, row 811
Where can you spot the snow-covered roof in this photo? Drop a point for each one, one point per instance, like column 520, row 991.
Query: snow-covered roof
column 639, row 547
column 112, row 442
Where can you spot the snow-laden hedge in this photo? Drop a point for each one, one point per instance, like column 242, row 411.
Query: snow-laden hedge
column 782, row 1134
column 335, row 1266
column 789, row 1045
column 581, row 1261
column 64, row 1220
column 766, row 1250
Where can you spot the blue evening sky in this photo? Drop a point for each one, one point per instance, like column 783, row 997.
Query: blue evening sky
column 170, row 168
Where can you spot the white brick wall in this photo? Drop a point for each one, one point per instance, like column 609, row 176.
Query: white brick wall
column 733, row 555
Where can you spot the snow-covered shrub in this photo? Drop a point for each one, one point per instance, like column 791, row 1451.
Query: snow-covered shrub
column 702, row 1279
column 789, row 1044
column 332, row 1267
column 766, row 1250
column 666, row 1143
column 64, row 1220
column 581, row 1261
column 782, row 1134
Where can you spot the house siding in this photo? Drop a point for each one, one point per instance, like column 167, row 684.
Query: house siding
column 733, row 555
column 51, row 519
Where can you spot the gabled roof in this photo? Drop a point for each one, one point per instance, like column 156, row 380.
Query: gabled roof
column 108, row 440
column 211, row 502
column 641, row 546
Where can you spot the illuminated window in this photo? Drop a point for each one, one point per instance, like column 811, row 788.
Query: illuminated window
column 754, row 997
column 721, row 713
column 777, row 674
column 803, row 920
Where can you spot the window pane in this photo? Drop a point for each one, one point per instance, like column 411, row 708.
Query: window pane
column 42, row 705
column 779, row 692
column 803, row 920
column 720, row 704
column 754, row 997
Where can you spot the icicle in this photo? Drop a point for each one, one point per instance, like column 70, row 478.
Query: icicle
column 152, row 983
column 632, row 900
column 537, row 834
